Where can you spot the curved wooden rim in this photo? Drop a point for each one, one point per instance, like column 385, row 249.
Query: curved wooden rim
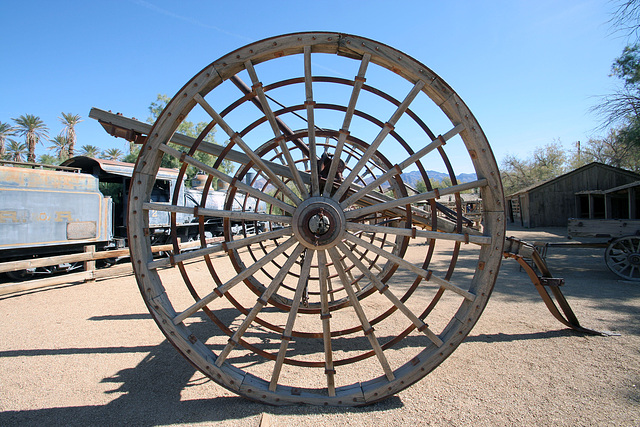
column 489, row 256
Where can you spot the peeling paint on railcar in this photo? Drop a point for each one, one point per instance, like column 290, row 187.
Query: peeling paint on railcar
column 38, row 179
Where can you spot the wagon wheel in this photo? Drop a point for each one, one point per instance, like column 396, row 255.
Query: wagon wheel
column 623, row 257
column 358, row 294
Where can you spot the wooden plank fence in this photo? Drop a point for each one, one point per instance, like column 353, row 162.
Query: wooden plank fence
column 89, row 273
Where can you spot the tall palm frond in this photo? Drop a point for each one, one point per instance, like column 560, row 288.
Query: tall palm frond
column 112, row 154
column 16, row 150
column 69, row 131
column 60, row 147
column 33, row 129
column 90, row 151
column 6, row 130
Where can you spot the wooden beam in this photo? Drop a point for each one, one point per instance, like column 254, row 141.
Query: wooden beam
column 89, row 256
column 126, row 123
column 420, row 216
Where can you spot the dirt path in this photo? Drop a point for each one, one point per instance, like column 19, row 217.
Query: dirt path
column 90, row 354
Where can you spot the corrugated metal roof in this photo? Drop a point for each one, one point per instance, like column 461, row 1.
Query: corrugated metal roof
column 104, row 167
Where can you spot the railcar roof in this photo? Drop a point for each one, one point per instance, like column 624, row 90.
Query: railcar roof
column 107, row 170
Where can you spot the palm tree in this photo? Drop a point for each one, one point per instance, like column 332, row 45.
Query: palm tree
column 16, row 151
column 33, row 129
column 90, row 151
column 112, row 154
column 60, row 147
column 48, row 159
column 69, row 132
column 6, row 130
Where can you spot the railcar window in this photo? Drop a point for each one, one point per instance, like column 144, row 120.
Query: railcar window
column 161, row 191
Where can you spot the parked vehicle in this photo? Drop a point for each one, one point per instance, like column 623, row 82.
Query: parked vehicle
column 53, row 210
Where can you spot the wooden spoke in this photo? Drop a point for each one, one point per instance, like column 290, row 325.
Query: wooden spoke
column 344, row 131
column 236, row 244
column 372, row 263
column 218, row 213
column 232, row 282
column 437, row 235
column 366, row 326
column 388, row 127
column 426, row 274
column 384, row 290
column 260, row 304
column 622, row 257
column 397, row 170
column 309, row 103
column 259, row 90
column 325, row 316
column 435, row 194
column 248, row 151
column 228, row 179
column 286, row 336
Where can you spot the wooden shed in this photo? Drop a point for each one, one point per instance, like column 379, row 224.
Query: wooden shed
column 551, row 203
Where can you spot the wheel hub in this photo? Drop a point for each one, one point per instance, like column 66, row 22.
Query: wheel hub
column 634, row 259
column 319, row 223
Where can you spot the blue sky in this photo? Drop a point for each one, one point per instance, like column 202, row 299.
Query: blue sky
column 529, row 71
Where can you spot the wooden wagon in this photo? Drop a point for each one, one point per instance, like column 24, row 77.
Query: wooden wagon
column 610, row 220
column 360, row 291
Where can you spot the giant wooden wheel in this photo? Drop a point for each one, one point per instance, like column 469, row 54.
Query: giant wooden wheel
column 356, row 285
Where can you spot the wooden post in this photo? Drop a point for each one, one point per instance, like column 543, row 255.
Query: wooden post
column 90, row 265
column 632, row 203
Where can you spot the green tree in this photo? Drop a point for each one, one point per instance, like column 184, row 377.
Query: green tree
column 6, row 130
column 16, row 151
column 545, row 163
column 33, row 129
column 112, row 154
column 440, row 183
column 613, row 150
column 60, row 147
column 48, row 159
column 69, row 121
column 90, row 151
column 421, row 187
column 621, row 108
column 189, row 129
column 133, row 154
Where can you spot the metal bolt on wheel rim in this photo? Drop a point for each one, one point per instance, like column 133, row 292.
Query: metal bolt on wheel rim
column 357, row 286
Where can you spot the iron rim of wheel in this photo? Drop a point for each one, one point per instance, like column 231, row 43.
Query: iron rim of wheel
column 336, row 247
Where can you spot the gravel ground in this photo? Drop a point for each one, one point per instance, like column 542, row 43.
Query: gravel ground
column 90, row 354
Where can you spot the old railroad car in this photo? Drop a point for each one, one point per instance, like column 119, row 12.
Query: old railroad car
column 45, row 212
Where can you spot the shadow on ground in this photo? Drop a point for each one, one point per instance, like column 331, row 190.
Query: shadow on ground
column 150, row 393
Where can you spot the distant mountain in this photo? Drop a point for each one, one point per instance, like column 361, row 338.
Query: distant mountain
column 412, row 178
